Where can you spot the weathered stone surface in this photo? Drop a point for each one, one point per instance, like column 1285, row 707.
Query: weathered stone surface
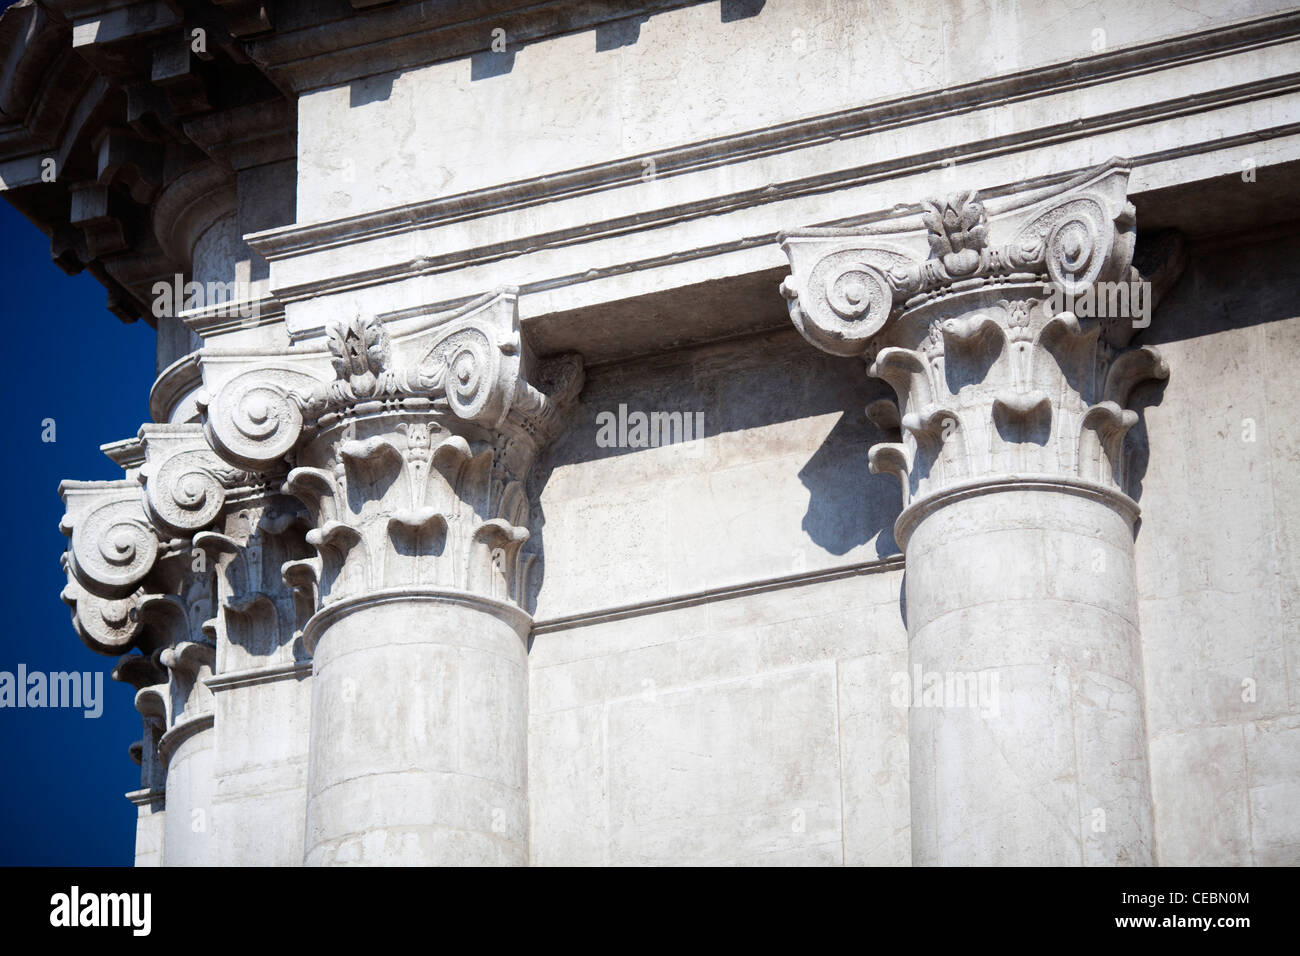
column 391, row 591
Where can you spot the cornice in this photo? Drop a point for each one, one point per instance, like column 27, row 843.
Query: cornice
column 108, row 91
column 672, row 249
column 800, row 134
column 313, row 46
column 248, row 136
column 302, row 40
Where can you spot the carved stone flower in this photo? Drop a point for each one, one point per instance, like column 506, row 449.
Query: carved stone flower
column 359, row 352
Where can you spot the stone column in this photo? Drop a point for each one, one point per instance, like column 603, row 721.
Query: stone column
column 112, row 626
column 412, row 458
column 186, row 749
column 1027, row 734
column 262, row 681
column 183, row 494
column 134, row 584
column 150, row 800
column 246, row 680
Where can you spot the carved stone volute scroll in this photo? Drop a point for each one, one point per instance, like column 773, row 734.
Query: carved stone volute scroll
column 185, row 481
column 112, row 544
column 134, row 585
column 469, row 369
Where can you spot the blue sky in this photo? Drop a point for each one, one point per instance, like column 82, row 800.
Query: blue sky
column 73, row 361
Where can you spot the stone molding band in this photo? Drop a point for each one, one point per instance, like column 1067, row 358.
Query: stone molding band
column 514, row 616
column 183, row 731
column 724, row 592
column 916, row 513
column 296, row 670
column 147, row 797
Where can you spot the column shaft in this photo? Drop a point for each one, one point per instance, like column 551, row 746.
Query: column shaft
column 1026, row 595
column 419, row 732
column 188, row 838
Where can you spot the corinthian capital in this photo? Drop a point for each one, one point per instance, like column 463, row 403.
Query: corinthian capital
column 469, row 370
column 410, row 451
column 1000, row 325
column 135, row 583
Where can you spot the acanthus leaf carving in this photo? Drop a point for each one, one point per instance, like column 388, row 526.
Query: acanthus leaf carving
column 410, row 451
column 994, row 378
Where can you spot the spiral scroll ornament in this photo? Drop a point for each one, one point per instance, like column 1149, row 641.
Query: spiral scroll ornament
column 113, row 549
column 1078, row 243
column 105, row 625
column 842, row 304
column 255, row 420
column 473, row 369
column 183, row 495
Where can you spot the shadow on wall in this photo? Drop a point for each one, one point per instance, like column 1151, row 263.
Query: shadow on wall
column 619, row 33
column 1227, row 285
column 371, row 89
column 848, row 506
column 490, row 62
column 499, row 58
column 1137, row 448
column 764, row 400
column 534, row 549
column 733, row 10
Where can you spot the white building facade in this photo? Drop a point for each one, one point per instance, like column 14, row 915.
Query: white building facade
column 537, row 383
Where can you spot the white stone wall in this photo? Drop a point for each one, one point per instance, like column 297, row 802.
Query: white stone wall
column 683, row 76
column 741, row 730
column 1217, row 562
column 1216, row 572
column 777, row 485
column 719, row 625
